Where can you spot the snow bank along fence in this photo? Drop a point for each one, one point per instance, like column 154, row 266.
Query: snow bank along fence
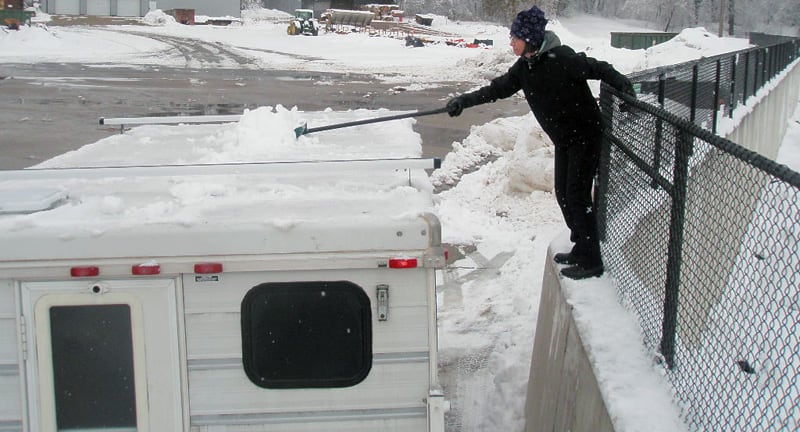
column 703, row 236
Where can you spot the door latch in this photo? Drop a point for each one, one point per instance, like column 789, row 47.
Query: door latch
column 383, row 302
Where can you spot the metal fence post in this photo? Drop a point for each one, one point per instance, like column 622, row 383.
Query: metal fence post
column 693, row 107
column 715, row 104
column 683, row 151
column 602, row 178
column 662, row 84
column 756, row 64
column 773, row 62
column 746, row 76
column 733, row 99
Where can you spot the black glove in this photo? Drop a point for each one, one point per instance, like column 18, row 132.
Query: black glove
column 627, row 88
column 455, row 106
column 459, row 103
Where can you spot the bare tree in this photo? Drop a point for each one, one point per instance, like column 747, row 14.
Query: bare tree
column 770, row 16
column 504, row 10
column 731, row 14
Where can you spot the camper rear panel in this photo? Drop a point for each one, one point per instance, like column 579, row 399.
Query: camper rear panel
column 388, row 391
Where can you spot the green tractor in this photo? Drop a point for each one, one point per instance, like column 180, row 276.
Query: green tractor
column 303, row 23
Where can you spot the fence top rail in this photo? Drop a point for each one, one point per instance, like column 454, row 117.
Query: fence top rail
column 779, row 171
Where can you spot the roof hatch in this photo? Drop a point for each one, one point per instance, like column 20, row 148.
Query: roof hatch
column 30, row 200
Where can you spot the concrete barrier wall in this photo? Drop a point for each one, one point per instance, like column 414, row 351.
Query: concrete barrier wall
column 762, row 130
column 563, row 394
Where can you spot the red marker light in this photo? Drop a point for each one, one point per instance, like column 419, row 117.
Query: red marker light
column 146, row 269
column 402, row 263
column 208, row 268
column 84, row 271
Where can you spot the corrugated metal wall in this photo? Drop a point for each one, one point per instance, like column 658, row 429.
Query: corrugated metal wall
column 11, row 4
column 212, row 8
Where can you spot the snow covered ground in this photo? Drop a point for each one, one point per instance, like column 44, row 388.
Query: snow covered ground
column 500, row 214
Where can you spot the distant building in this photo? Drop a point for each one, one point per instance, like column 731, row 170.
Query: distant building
column 282, row 5
column 340, row 4
column 138, row 8
column 319, row 6
column 11, row 4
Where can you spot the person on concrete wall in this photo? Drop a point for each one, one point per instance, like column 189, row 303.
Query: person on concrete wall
column 554, row 79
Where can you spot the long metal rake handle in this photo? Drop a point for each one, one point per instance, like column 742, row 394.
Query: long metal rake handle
column 302, row 130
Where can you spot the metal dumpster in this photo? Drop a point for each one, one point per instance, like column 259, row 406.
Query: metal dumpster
column 639, row 40
column 21, row 16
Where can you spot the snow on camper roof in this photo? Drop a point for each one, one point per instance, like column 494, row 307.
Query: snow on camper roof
column 297, row 194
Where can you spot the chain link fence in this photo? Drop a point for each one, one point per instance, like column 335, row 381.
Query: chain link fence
column 703, row 239
column 705, row 90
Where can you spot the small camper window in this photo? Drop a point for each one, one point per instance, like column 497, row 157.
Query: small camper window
column 93, row 367
column 306, row 334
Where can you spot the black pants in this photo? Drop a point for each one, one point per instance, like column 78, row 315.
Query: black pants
column 575, row 169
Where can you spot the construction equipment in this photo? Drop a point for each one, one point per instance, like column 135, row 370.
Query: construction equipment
column 346, row 21
column 303, row 23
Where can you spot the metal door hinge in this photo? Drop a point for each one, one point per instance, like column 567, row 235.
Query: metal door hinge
column 23, row 338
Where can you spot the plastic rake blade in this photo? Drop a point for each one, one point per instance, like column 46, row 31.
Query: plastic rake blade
column 300, row 130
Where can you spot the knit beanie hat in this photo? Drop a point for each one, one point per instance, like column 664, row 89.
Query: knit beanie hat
column 529, row 26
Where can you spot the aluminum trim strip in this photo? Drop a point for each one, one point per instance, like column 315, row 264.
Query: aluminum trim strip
column 307, row 416
column 195, row 364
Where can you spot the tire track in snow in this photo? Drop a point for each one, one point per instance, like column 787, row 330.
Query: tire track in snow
column 201, row 54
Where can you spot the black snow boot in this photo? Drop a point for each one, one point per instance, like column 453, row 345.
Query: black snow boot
column 567, row 258
column 583, row 272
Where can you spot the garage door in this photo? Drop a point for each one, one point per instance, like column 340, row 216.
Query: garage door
column 68, row 7
column 129, row 8
column 98, row 7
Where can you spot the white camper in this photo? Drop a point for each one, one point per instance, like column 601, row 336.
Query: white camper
column 196, row 291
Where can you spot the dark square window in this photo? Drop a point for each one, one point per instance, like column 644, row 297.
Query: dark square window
column 93, row 367
column 306, row 334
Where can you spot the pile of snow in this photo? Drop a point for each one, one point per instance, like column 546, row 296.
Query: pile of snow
column 259, row 136
column 257, row 16
column 263, row 134
column 519, row 139
column 486, row 65
column 205, row 19
column 157, row 17
column 689, row 44
column 39, row 17
column 30, row 37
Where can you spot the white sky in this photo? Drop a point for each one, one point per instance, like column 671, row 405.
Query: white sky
column 488, row 302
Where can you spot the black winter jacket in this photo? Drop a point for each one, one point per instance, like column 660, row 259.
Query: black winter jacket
column 554, row 83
